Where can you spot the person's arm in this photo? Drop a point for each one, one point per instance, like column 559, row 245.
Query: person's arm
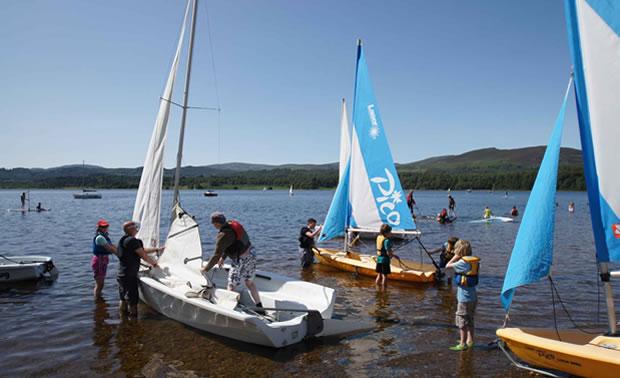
column 143, row 253
column 313, row 234
column 110, row 248
column 438, row 250
column 223, row 241
column 453, row 261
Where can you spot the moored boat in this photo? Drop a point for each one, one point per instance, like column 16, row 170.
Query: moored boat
column 210, row 193
column 402, row 270
column 24, row 268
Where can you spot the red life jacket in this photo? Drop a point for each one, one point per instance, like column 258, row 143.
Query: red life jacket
column 242, row 242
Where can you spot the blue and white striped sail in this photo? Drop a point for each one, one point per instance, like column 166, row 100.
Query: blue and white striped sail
column 369, row 193
column 532, row 253
column 594, row 38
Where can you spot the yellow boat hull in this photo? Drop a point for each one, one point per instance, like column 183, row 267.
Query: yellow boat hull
column 578, row 353
column 365, row 265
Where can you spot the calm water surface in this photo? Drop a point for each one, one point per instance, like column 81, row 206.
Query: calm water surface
column 57, row 328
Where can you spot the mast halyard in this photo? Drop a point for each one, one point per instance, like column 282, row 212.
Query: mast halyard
column 177, row 174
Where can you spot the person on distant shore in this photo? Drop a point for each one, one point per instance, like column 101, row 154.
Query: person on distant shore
column 466, row 277
column 232, row 241
column 306, row 242
column 571, row 207
column 384, row 254
column 23, row 199
column 487, row 213
column 411, row 202
column 102, row 248
column 447, row 253
column 514, row 212
column 451, row 204
column 130, row 251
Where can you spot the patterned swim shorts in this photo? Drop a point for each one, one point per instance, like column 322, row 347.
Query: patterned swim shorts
column 243, row 270
column 465, row 314
column 99, row 264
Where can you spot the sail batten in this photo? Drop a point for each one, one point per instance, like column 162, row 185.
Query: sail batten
column 532, row 254
column 148, row 200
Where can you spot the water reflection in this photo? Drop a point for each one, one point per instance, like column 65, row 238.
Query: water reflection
column 103, row 331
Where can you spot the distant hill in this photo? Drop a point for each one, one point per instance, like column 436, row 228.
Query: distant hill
column 494, row 160
column 479, row 169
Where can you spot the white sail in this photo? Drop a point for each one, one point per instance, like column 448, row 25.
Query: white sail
column 182, row 244
column 148, row 200
column 345, row 141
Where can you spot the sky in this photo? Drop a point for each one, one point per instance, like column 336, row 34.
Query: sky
column 81, row 80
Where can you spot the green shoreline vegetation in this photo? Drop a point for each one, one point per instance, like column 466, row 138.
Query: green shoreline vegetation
column 569, row 179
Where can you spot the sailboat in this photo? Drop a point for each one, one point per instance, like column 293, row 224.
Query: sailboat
column 295, row 310
column 369, row 192
column 86, row 193
column 290, row 191
column 594, row 36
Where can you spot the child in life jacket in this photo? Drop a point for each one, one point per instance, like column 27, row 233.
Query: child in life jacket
column 466, row 277
column 384, row 254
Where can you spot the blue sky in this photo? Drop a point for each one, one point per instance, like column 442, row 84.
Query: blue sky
column 81, row 80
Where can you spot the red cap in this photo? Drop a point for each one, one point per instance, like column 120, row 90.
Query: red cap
column 103, row 223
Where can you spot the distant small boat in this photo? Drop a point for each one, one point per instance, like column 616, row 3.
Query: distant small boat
column 210, row 193
column 86, row 193
column 290, row 191
column 23, row 268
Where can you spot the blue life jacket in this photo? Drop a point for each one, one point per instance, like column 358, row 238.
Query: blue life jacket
column 99, row 250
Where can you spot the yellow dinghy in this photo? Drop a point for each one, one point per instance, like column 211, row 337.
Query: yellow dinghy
column 364, row 265
column 575, row 353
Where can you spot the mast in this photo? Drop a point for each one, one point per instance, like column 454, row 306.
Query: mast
column 177, row 174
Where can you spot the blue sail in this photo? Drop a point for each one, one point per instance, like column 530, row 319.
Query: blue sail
column 369, row 193
column 532, row 254
column 594, row 38
column 375, row 192
column 336, row 221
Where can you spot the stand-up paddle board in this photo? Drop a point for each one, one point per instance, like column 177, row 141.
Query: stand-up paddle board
column 492, row 219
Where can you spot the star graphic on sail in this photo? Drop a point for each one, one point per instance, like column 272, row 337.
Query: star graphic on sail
column 373, row 132
column 397, row 196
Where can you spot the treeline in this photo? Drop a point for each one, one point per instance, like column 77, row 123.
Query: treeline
column 568, row 179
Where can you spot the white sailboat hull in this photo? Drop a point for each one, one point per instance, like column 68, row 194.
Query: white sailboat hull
column 227, row 315
column 24, row 268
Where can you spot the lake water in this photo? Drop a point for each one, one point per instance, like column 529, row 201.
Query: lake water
column 57, row 328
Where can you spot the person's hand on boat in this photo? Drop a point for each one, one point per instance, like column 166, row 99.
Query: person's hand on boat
column 220, row 262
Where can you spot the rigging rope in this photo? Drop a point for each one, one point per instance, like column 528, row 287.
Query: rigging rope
column 554, row 289
column 217, row 95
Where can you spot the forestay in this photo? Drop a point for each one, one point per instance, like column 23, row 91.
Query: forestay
column 148, row 200
column 369, row 193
